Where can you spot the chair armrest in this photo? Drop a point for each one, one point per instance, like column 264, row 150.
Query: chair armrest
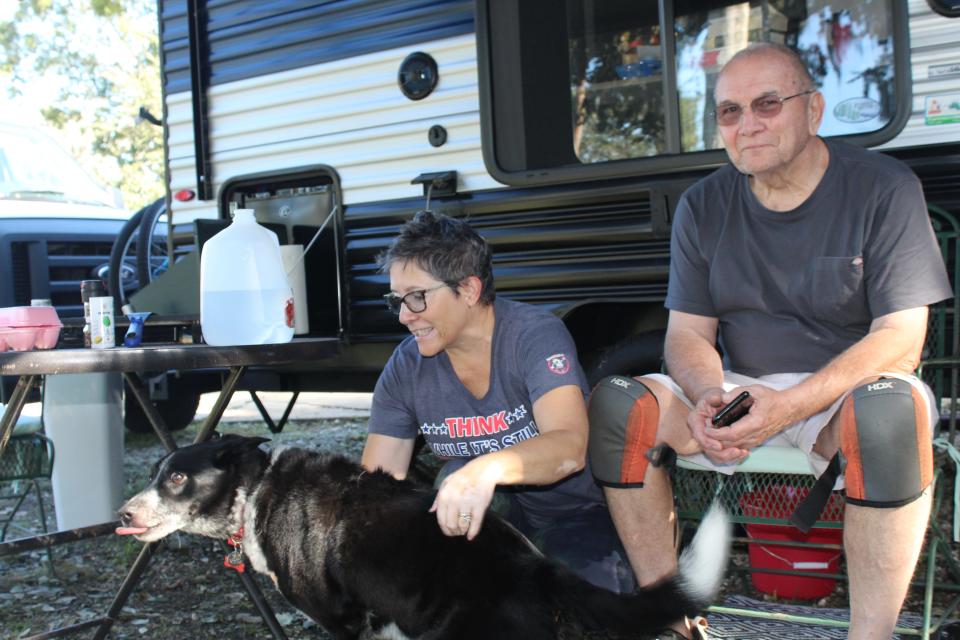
column 938, row 363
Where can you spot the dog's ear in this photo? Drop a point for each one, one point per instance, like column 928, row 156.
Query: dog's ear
column 231, row 447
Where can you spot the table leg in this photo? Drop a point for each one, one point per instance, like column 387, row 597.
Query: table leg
column 135, row 384
column 274, row 427
column 12, row 411
column 133, row 576
column 47, row 540
column 216, row 413
column 263, row 607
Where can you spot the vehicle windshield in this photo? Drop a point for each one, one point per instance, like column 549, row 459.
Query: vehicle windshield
column 34, row 167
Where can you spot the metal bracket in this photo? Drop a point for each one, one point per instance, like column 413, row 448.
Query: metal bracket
column 438, row 184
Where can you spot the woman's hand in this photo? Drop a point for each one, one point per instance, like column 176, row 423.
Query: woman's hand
column 464, row 497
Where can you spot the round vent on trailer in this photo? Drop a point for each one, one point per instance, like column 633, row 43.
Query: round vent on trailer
column 418, row 75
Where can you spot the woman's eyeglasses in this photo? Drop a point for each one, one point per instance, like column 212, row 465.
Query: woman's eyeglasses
column 764, row 107
column 416, row 301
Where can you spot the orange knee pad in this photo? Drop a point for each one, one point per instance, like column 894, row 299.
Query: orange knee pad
column 624, row 415
column 886, row 441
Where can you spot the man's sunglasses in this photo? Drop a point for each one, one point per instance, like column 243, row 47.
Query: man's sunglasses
column 416, row 301
column 764, row 107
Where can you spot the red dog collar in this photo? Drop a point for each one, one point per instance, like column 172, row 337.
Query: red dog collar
column 234, row 559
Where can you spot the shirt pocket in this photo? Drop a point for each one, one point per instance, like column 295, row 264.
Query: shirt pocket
column 835, row 290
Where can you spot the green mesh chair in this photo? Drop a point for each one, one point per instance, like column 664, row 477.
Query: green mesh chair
column 27, row 459
column 766, row 488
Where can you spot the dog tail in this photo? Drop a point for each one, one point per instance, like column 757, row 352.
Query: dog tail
column 687, row 593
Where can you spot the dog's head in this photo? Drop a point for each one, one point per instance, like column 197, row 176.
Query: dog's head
column 197, row 489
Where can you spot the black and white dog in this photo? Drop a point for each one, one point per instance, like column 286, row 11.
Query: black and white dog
column 359, row 553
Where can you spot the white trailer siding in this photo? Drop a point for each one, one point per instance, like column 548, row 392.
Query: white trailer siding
column 349, row 114
column 934, row 51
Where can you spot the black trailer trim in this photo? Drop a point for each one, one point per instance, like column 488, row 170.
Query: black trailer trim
column 199, row 82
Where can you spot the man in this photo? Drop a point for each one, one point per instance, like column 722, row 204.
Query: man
column 804, row 255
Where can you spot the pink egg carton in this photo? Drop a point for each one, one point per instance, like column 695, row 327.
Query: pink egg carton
column 26, row 328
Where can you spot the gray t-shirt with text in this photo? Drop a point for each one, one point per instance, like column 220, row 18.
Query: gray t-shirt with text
column 533, row 353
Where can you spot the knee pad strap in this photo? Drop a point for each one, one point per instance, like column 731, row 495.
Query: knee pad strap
column 624, row 415
column 885, row 438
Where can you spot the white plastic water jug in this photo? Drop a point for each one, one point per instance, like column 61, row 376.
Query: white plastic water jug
column 245, row 297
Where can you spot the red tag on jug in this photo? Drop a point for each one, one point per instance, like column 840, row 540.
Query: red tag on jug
column 288, row 312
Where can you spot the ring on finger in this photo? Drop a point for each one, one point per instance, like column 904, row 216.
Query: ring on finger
column 466, row 517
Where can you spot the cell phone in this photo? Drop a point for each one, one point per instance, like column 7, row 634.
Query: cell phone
column 736, row 409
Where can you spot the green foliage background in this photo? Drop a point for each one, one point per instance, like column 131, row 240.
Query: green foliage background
column 103, row 58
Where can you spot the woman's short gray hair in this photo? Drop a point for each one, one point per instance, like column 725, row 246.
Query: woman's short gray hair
column 446, row 248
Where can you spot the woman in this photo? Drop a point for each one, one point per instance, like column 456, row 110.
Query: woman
column 495, row 388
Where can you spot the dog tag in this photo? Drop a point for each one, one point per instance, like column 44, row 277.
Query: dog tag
column 234, row 560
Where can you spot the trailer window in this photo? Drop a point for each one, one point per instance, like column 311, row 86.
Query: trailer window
column 616, row 80
column 847, row 45
column 576, row 89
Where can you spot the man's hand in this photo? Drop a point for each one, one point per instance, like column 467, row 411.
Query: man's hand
column 463, row 499
column 710, row 402
column 769, row 414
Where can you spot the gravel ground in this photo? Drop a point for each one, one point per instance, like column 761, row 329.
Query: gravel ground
column 186, row 592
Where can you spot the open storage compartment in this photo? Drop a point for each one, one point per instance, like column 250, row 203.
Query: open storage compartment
column 296, row 204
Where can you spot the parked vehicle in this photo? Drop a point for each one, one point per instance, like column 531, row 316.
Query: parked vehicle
column 565, row 131
column 57, row 224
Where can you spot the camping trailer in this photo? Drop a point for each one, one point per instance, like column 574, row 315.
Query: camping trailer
column 564, row 130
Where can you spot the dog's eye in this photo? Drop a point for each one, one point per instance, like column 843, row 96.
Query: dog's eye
column 178, row 478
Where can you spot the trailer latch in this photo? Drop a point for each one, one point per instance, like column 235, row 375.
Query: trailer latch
column 437, row 184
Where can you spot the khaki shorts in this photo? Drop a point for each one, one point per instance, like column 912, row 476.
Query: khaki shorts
column 801, row 435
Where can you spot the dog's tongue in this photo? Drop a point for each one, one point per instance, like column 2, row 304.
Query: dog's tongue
column 129, row 531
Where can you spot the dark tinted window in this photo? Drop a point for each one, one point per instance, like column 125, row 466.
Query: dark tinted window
column 575, row 89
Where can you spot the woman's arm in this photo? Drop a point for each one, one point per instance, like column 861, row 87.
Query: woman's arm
column 558, row 451
column 390, row 454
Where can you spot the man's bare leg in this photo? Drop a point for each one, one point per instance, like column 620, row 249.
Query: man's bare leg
column 645, row 520
column 882, row 547
column 644, row 517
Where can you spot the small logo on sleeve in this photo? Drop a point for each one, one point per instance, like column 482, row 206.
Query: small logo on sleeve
column 558, row 363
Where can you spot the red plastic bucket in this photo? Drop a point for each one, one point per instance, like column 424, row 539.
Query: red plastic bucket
column 778, row 502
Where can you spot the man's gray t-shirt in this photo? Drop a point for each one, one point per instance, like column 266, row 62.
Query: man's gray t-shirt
column 533, row 353
column 794, row 289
